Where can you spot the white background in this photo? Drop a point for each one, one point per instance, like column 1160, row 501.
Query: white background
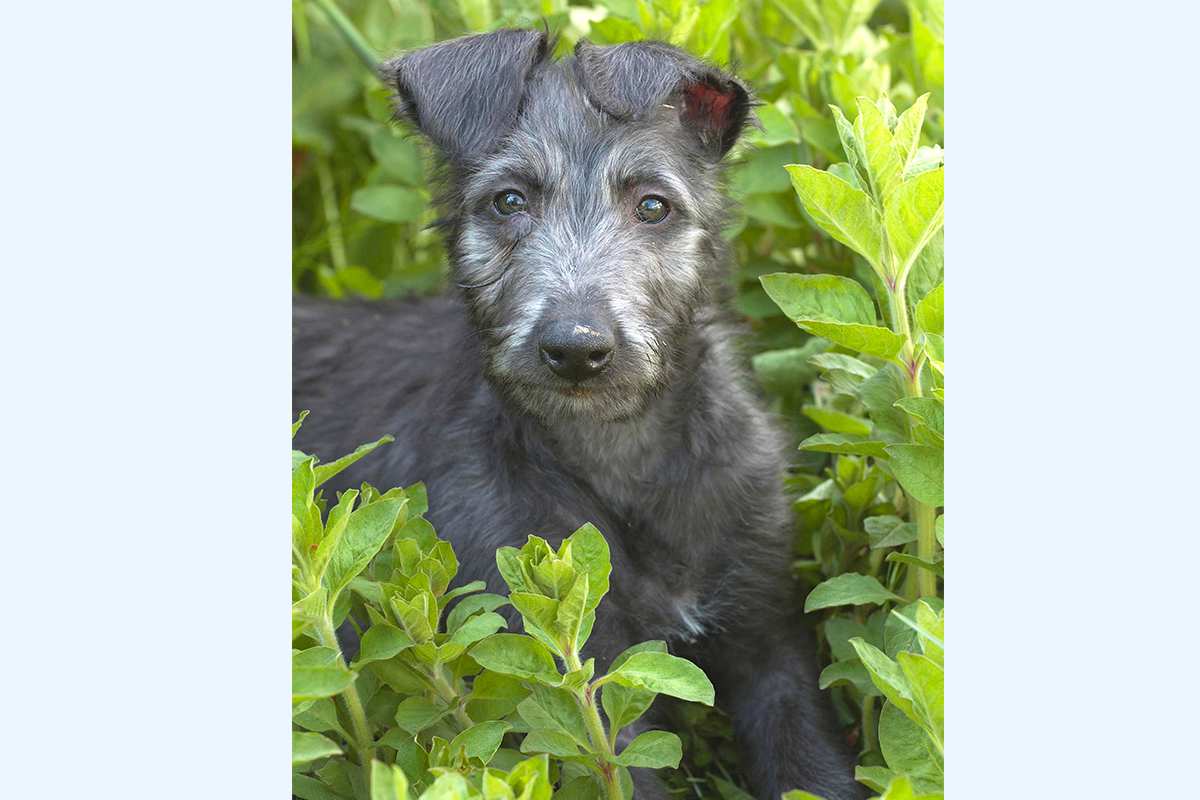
column 144, row 330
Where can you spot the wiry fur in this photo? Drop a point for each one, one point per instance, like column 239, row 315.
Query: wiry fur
column 669, row 451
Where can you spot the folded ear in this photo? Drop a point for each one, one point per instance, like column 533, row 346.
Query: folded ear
column 465, row 93
column 632, row 80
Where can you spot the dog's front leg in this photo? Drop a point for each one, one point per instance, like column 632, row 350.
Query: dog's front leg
column 765, row 673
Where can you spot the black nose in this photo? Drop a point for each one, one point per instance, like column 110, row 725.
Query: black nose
column 576, row 350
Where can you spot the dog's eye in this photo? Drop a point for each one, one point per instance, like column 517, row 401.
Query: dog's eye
column 509, row 202
column 652, row 209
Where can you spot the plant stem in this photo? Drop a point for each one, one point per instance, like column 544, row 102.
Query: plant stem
column 333, row 218
column 920, row 582
column 358, row 43
column 604, row 747
column 363, row 741
column 448, row 693
column 868, row 724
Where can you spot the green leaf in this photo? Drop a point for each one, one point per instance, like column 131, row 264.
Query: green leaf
column 926, row 681
column 366, row 531
column 877, row 778
column 663, row 673
column 478, row 627
column 450, row 785
column 388, row 782
column 530, row 779
column 838, row 421
column 508, row 561
column 538, row 613
column 914, row 214
column 799, row 794
column 940, row 529
column 889, row 531
column 312, row 682
column 552, row 742
column 907, row 558
column 774, row 209
column 778, row 126
column 931, row 313
column 494, row 695
column 925, row 410
column 585, row 787
column 908, row 750
column 389, row 203
column 850, row 672
column 762, row 171
column 398, row 156
column 415, row 714
column 844, row 443
column 516, row 655
column 854, row 155
column 319, row 717
column 885, row 674
column 299, row 421
column 835, row 307
column 571, row 611
column 308, row 747
column 931, row 626
column 787, row 371
column 840, row 362
column 919, row 468
column 624, row 705
column 590, row 555
column 458, row 591
column 907, row 135
column 878, row 149
column 879, row 394
column 324, row 472
column 848, row 589
column 481, row 741
column 652, row 749
column 844, row 212
column 308, row 788
column 924, row 160
column 469, row 606
column 555, row 710
column 381, row 642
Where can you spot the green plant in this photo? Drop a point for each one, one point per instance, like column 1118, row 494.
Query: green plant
column 883, row 419
column 860, row 533
column 437, row 687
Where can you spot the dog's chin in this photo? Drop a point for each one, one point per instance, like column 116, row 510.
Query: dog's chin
column 550, row 401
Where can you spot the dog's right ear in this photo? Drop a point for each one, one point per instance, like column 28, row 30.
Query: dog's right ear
column 465, row 93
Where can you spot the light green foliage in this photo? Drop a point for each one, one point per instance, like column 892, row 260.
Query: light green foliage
column 841, row 207
column 438, row 684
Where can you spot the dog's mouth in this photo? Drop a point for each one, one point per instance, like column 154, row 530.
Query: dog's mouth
column 577, row 391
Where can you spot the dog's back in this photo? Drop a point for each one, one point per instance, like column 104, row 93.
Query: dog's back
column 365, row 370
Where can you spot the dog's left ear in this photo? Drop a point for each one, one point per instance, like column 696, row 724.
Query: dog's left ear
column 633, row 80
column 465, row 93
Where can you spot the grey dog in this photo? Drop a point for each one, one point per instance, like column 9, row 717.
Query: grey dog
column 585, row 369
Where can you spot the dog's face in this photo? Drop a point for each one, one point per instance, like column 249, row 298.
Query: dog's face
column 585, row 216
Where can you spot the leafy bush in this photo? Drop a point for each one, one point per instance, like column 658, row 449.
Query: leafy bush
column 839, row 228
column 436, row 687
column 883, row 419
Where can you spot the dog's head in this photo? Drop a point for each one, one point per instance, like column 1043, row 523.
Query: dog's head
column 582, row 204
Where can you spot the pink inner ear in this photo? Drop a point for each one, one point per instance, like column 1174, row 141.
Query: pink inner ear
column 708, row 105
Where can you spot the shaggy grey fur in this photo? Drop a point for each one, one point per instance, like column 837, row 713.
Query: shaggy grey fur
column 668, row 450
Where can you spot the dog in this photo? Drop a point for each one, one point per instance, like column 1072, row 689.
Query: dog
column 585, row 369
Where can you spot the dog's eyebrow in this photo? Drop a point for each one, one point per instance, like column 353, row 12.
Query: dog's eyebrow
column 670, row 182
column 502, row 171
